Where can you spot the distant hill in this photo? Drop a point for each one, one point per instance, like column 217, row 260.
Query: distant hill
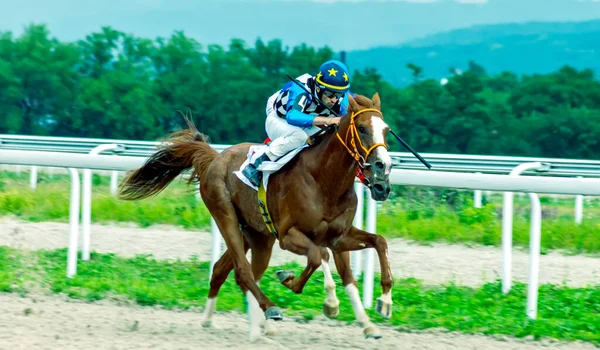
column 536, row 47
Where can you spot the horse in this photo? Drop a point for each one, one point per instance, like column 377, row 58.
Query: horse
column 311, row 200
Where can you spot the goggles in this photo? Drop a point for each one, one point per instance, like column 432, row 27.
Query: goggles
column 332, row 94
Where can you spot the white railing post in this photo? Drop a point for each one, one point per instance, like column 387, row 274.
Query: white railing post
column 507, row 222
column 535, row 239
column 369, row 273
column 578, row 208
column 356, row 256
column 73, row 223
column 477, row 197
column 86, row 200
column 114, row 182
column 33, row 176
column 216, row 245
column 507, row 216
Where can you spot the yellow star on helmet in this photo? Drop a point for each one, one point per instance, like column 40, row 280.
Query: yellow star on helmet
column 319, row 75
column 332, row 71
column 345, row 77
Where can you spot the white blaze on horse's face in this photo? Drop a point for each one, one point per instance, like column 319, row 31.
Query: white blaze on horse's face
column 379, row 128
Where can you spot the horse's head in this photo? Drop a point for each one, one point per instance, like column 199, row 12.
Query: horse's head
column 364, row 134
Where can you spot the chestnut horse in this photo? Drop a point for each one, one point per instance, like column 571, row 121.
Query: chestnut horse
column 311, row 201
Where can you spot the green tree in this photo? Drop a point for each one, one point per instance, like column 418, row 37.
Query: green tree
column 47, row 80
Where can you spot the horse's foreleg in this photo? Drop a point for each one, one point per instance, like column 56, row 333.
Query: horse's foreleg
column 342, row 262
column 358, row 239
column 296, row 242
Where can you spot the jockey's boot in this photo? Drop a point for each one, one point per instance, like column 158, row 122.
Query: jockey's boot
column 251, row 170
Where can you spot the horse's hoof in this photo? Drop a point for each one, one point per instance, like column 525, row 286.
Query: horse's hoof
column 207, row 323
column 273, row 313
column 285, row 275
column 384, row 308
column 372, row 332
column 331, row 311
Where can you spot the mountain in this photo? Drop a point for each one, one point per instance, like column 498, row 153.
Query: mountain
column 522, row 48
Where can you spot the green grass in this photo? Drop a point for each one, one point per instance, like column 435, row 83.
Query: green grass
column 564, row 313
column 419, row 214
column 50, row 202
column 484, row 226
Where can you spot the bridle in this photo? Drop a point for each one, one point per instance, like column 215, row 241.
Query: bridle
column 352, row 133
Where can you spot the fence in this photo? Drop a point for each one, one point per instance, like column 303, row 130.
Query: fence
column 401, row 160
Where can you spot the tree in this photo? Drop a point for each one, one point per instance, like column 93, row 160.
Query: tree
column 10, row 85
column 47, row 78
column 417, row 72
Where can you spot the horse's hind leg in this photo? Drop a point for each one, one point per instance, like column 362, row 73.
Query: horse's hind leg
column 221, row 270
column 222, row 210
column 342, row 262
column 261, row 247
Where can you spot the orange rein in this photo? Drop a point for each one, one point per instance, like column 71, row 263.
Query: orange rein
column 353, row 133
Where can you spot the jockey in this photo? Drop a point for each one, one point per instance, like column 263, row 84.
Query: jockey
column 293, row 115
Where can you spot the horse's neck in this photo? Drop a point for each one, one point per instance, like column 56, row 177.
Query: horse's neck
column 334, row 168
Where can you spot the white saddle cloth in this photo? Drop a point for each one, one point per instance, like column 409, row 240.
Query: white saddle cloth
column 267, row 167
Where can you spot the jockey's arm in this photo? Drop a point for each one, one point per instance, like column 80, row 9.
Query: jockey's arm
column 296, row 103
column 321, row 121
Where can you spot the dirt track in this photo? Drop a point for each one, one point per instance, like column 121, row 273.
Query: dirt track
column 55, row 323
column 44, row 322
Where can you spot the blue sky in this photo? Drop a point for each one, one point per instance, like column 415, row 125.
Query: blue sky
column 340, row 24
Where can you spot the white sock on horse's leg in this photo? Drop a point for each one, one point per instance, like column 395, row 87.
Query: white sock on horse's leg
column 209, row 310
column 256, row 316
column 369, row 328
column 357, row 306
column 386, row 297
column 331, row 300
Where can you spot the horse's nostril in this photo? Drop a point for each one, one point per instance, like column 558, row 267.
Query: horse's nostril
column 378, row 187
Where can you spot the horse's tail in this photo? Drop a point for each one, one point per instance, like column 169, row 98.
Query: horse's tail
column 182, row 150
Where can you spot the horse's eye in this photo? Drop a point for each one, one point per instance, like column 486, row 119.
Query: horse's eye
column 362, row 129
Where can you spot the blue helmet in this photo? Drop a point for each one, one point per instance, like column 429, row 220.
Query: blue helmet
column 333, row 76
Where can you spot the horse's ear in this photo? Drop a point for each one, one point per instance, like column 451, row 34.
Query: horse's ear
column 353, row 104
column 376, row 101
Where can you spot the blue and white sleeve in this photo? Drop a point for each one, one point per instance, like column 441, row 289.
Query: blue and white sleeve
column 297, row 100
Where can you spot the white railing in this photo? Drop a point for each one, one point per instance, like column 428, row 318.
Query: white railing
column 441, row 162
column 490, row 182
column 401, row 160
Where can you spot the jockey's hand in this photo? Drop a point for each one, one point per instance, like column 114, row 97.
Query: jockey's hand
column 322, row 121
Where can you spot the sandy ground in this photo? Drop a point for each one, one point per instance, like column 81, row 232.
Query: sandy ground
column 54, row 322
